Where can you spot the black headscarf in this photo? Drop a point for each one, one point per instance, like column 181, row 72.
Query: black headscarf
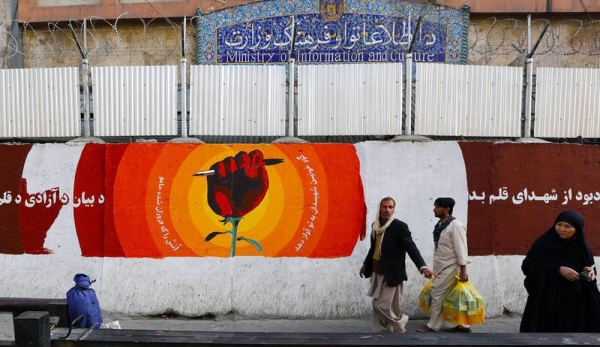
column 550, row 250
column 552, row 298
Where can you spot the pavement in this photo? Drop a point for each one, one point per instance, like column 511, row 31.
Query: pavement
column 504, row 324
column 234, row 331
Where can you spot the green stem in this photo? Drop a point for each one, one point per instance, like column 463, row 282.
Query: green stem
column 234, row 221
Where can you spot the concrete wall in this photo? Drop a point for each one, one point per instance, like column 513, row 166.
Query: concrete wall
column 569, row 42
column 529, row 6
column 101, row 209
column 51, row 10
column 128, row 43
column 5, row 24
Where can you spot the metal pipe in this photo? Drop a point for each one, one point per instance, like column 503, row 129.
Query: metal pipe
column 183, row 30
column 85, row 37
column 184, row 129
column 183, row 72
column 528, row 95
column 17, row 41
column 86, row 97
column 528, row 33
column 291, row 94
column 291, row 81
column 408, row 96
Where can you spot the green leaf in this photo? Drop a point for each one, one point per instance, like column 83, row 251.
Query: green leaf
column 215, row 233
column 252, row 242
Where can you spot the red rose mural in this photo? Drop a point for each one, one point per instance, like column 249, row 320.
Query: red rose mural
column 236, row 186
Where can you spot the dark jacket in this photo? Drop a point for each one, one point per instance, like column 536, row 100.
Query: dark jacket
column 555, row 304
column 396, row 242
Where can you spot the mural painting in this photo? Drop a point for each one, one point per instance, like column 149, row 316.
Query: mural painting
column 331, row 31
column 172, row 200
column 516, row 190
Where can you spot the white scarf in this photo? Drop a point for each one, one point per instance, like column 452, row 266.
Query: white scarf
column 379, row 229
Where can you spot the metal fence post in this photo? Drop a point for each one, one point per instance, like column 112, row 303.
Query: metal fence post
column 528, row 95
column 408, row 96
column 86, row 97
column 184, row 129
column 291, row 99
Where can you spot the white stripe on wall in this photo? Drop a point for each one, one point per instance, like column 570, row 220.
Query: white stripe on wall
column 50, row 166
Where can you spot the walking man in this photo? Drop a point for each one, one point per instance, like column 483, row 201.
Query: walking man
column 449, row 260
column 385, row 265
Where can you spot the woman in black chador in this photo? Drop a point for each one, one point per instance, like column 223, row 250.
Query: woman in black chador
column 560, row 278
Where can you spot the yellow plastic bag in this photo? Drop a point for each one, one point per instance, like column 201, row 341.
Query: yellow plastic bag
column 464, row 305
column 425, row 297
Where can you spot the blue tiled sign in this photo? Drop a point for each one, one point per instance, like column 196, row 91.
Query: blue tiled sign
column 329, row 31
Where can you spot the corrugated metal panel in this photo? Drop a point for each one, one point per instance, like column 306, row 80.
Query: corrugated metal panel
column 39, row 102
column 350, row 99
column 240, row 100
column 567, row 103
column 135, row 100
column 462, row 100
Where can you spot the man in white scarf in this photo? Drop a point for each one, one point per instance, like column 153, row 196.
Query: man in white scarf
column 385, row 264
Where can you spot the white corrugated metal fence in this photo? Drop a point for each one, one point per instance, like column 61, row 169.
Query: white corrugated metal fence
column 238, row 100
column 567, row 103
column 39, row 102
column 350, row 99
column 468, row 100
column 332, row 100
column 135, row 100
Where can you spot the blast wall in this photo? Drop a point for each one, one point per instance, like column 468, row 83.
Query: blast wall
column 272, row 230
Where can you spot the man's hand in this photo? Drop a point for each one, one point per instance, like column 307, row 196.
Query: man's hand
column 362, row 271
column 428, row 273
column 464, row 277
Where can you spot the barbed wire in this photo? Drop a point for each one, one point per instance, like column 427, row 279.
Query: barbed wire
column 123, row 41
column 500, row 36
column 158, row 42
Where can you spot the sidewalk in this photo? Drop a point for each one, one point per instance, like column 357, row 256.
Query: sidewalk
column 504, row 324
column 496, row 325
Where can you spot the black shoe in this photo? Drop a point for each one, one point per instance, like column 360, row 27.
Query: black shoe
column 425, row 329
column 458, row 329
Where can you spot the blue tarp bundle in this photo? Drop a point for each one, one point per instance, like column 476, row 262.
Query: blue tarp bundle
column 82, row 300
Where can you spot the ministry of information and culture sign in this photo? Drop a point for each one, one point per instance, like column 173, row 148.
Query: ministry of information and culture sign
column 331, row 31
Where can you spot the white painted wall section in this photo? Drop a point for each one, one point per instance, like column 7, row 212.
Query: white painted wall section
column 45, row 169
